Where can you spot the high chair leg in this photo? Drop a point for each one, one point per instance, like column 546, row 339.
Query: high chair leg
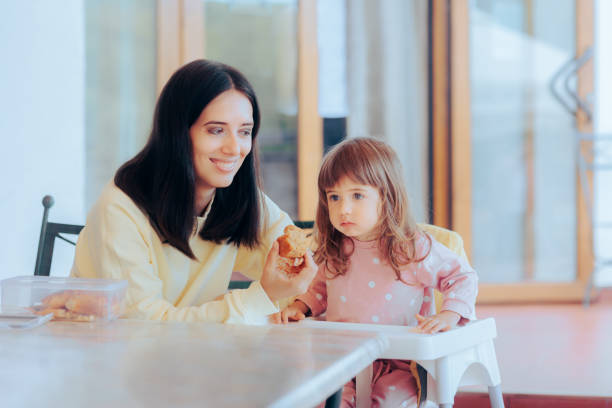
column 445, row 383
column 495, row 397
column 363, row 387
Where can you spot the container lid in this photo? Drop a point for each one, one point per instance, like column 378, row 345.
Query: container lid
column 22, row 319
column 47, row 282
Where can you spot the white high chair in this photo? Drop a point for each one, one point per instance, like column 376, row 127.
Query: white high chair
column 459, row 357
column 445, row 361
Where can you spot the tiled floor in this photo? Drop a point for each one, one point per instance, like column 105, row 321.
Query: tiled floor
column 552, row 355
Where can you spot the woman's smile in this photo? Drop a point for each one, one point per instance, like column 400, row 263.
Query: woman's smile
column 226, row 166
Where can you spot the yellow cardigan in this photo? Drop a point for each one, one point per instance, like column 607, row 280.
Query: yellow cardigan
column 118, row 242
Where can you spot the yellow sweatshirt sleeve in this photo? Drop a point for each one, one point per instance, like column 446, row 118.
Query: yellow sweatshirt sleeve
column 250, row 262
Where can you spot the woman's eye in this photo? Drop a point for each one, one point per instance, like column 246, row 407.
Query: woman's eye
column 357, row 196
column 246, row 132
column 333, row 197
column 215, row 130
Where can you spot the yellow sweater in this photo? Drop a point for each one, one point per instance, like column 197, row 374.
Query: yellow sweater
column 118, row 242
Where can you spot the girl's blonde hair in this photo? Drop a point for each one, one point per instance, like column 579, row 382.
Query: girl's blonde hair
column 372, row 162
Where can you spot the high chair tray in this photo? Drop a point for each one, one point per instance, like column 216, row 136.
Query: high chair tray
column 405, row 343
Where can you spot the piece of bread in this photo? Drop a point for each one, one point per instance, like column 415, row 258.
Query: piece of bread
column 292, row 246
column 57, row 300
column 89, row 303
column 80, row 306
column 293, row 243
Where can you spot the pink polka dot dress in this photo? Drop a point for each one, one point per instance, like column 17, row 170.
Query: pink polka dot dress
column 370, row 292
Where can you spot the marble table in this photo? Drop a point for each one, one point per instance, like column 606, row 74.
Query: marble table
column 132, row 363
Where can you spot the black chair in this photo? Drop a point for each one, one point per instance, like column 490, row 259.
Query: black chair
column 304, row 224
column 48, row 232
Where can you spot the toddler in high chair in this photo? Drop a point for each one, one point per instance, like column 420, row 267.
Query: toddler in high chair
column 376, row 265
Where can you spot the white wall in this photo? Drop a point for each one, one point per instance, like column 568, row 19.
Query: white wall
column 42, row 78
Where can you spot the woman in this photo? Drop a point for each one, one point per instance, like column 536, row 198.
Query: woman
column 187, row 210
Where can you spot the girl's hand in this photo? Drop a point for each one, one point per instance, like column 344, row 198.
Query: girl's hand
column 278, row 285
column 441, row 322
column 294, row 312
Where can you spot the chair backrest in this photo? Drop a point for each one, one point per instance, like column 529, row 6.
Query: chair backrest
column 448, row 238
column 48, row 232
column 304, row 224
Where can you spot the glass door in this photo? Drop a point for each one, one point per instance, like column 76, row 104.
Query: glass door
column 520, row 211
column 523, row 139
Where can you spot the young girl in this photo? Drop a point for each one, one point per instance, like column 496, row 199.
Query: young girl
column 376, row 265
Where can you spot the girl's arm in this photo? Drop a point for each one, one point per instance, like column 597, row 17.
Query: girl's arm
column 316, row 296
column 294, row 312
column 453, row 277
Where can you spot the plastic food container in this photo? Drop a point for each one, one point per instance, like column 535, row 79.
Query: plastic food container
column 73, row 299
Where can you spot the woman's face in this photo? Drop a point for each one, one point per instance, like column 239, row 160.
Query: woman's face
column 221, row 139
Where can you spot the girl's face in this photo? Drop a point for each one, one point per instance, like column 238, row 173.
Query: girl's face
column 221, row 139
column 354, row 209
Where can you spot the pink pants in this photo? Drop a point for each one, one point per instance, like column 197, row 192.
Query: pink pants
column 393, row 385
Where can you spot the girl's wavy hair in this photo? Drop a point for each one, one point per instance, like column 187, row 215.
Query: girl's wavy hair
column 372, row 162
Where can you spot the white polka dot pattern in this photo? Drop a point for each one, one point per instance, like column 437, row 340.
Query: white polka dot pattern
column 371, row 293
column 319, row 296
column 392, row 387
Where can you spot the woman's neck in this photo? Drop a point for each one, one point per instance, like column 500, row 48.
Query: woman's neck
column 202, row 199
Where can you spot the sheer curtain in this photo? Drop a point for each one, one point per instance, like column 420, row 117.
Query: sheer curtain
column 120, row 86
column 387, row 84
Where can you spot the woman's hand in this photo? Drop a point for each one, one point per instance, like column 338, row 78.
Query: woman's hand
column 441, row 322
column 294, row 312
column 278, row 285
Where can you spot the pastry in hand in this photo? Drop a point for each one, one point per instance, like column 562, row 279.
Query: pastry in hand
column 292, row 246
column 293, row 243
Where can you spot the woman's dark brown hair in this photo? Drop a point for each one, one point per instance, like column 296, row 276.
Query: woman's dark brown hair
column 372, row 162
column 161, row 178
